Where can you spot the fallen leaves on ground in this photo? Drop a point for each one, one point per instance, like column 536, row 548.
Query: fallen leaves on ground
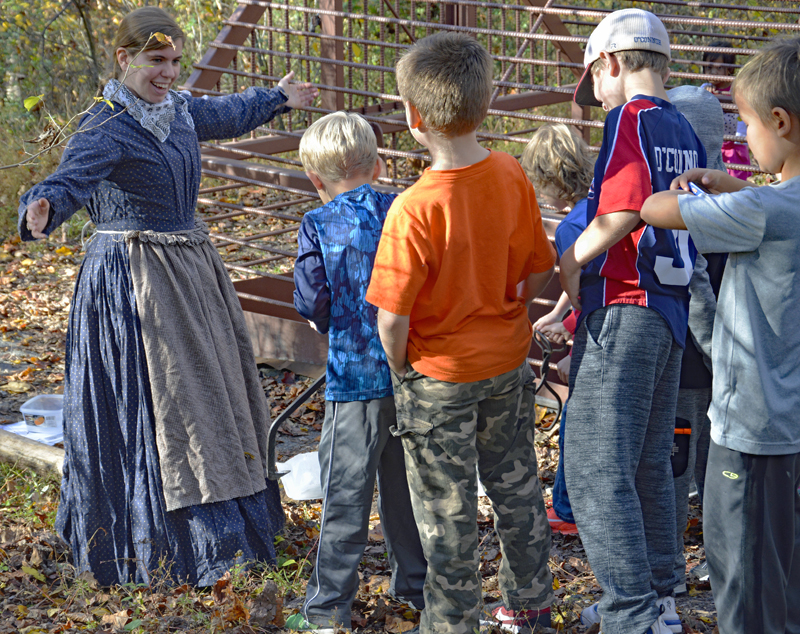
column 40, row 592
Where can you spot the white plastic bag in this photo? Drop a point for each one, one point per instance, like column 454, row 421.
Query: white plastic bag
column 303, row 481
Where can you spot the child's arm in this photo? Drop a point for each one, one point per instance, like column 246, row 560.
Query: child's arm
column 312, row 295
column 555, row 315
column 601, row 234
column 393, row 330
column 716, row 181
column 535, row 283
column 557, row 332
column 562, row 368
column 662, row 209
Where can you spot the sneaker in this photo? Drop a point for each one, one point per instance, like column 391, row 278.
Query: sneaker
column 680, row 589
column 658, row 628
column 516, row 621
column 590, row 615
column 700, row 571
column 557, row 525
column 669, row 616
column 298, row 623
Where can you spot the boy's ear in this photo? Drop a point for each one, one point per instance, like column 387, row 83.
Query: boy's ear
column 316, row 181
column 380, row 169
column 612, row 62
column 784, row 122
column 414, row 118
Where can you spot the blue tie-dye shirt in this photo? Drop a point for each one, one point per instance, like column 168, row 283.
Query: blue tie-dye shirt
column 337, row 245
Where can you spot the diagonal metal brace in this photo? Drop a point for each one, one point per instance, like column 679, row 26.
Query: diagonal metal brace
column 272, row 438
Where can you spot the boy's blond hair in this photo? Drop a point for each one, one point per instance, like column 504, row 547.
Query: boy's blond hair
column 339, row 146
column 636, row 60
column 771, row 79
column 558, row 162
column 448, row 78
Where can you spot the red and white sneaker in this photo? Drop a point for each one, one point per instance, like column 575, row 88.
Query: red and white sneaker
column 516, row 621
column 557, row 525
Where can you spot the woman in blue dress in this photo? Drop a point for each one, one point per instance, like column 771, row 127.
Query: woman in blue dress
column 165, row 420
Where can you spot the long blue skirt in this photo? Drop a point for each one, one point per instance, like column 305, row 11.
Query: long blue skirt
column 112, row 510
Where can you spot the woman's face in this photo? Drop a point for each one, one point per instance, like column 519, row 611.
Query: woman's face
column 150, row 74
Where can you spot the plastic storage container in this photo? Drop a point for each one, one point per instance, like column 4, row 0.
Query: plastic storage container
column 45, row 410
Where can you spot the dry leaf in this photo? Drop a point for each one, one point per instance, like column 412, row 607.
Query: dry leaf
column 396, row 625
column 16, row 387
column 222, row 588
column 118, row 620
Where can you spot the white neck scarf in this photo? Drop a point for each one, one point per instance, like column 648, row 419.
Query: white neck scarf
column 154, row 117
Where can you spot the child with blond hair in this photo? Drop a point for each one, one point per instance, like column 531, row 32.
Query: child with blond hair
column 337, row 245
column 455, row 249
column 558, row 163
column 751, row 506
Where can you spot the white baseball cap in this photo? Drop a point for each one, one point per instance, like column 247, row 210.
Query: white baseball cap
column 625, row 30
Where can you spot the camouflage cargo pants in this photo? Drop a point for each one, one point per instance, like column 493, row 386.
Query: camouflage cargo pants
column 449, row 429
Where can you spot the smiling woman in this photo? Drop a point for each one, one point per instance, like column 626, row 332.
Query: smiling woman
column 150, row 74
column 165, row 421
column 147, row 53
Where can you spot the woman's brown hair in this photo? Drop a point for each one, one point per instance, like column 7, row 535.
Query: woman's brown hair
column 136, row 28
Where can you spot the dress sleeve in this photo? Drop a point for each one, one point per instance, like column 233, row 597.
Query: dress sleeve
column 312, row 295
column 234, row 115
column 91, row 155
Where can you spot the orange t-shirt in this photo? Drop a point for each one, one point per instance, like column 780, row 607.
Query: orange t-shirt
column 453, row 249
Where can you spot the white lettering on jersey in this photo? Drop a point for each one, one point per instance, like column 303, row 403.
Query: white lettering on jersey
column 669, row 271
column 674, row 160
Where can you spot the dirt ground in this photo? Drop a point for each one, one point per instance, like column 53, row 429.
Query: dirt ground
column 35, row 288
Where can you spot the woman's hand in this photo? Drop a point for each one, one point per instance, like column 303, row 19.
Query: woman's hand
column 298, row 95
column 37, row 216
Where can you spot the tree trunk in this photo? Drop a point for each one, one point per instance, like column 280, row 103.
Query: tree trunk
column 29, row 453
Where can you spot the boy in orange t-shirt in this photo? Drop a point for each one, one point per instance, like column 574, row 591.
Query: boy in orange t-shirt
column 462, row 254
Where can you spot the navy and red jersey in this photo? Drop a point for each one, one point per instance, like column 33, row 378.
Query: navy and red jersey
column 646, row 144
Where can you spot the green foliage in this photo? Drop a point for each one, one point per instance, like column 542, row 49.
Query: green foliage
column 62, row 49
column 28, row 496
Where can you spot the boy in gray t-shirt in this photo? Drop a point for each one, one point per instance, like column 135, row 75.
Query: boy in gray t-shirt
column 752, row 495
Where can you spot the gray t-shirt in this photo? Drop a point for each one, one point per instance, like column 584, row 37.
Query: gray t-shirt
column 756, row 343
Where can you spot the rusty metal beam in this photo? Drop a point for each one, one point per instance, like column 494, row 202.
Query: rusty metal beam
column 259, row 145
column 267, row 174
column 553, row 25
column 332, row 74
column 277, row 331
column 392, row 123
column 222, row 57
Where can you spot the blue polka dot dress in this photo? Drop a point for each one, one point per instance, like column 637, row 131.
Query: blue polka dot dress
column 113, row 511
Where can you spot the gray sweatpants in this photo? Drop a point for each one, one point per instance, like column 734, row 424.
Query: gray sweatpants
column 354, row 447
column 623, row 389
